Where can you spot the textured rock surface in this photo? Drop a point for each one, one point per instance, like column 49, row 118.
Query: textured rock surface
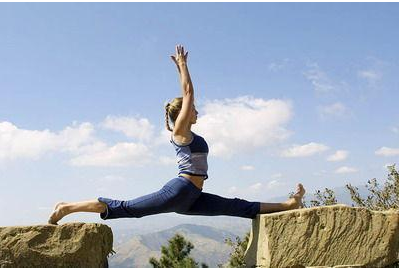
column 329, row 236
column 67, row 245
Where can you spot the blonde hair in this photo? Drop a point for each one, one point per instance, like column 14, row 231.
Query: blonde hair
column 172, row 110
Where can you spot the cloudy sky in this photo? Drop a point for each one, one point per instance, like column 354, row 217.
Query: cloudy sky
column 286, row 93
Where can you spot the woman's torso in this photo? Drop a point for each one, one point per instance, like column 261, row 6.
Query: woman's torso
column 192, row 158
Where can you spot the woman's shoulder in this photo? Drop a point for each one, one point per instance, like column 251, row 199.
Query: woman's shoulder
column 182, row 140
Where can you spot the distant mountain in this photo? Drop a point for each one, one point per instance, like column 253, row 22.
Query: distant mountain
column 209, row 246
column 125, row 229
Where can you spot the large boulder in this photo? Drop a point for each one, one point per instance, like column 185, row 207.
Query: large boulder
column 326, row 236
column 67, row 245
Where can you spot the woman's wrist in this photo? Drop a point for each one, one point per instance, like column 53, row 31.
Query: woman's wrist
column 182, row 64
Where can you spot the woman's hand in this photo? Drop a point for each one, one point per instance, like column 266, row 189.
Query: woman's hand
column 180, row 58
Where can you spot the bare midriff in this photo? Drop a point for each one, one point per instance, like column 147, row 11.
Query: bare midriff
column 198, row 181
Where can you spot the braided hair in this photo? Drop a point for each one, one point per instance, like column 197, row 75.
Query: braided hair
column 172, row 110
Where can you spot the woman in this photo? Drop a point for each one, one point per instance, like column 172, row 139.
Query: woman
column 182, row 194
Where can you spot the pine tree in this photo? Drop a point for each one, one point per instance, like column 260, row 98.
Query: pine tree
column 176, row 255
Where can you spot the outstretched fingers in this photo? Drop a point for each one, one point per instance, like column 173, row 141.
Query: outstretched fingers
column 180, row 56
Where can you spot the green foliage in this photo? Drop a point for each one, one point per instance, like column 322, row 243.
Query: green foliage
column 238, row 251
column 380, row 197
column 176, row 255
column 327, row 197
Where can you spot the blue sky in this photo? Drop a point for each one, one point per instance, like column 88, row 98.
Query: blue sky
column 287, row 93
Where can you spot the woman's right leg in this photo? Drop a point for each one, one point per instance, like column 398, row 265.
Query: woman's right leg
column 149, row 204
column 175, row 195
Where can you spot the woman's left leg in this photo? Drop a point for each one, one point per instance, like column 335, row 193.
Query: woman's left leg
column 63, row 209
column 209, row 204
column 213, row 205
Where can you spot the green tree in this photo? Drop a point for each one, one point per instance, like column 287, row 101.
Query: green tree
column 238, row 250
column 176, row 255
column 327, row 197
column 381, row 197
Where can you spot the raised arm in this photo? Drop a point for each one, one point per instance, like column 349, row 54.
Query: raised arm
column 182, row 124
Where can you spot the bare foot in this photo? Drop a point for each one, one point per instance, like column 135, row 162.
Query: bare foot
column 58, row 213
column 295, row 201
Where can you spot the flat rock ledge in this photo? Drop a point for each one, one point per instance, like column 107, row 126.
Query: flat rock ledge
column 325, row 236
column 67, row 245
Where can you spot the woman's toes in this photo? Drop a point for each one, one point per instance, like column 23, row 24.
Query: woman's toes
column 57, row 214
column 54, row 218
column 300, row 189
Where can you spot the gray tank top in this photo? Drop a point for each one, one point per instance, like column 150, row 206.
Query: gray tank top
column 192, row 156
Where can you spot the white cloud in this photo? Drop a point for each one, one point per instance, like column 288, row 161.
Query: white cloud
column 304, row 150
column 246, row 191
column 243, row 124
column 71, row 139
column 32, row 144
column 387, row 152
column 255, row 188
column 247, row 167
column 137, row 128
column 165, row 160
column 274, row 184
column 339, row 155
column 335, row 110
column 345, row 170
column 371, row 76
column 320, row 81
column 395, row 130
column 277, row 66
column 121, row 154
column 163, row 138
column 77, row 140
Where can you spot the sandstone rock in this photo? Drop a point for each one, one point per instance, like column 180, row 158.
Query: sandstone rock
column 67, row 245
column 326, row 236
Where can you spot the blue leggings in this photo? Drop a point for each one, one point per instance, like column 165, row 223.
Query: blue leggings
column 179, row 195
